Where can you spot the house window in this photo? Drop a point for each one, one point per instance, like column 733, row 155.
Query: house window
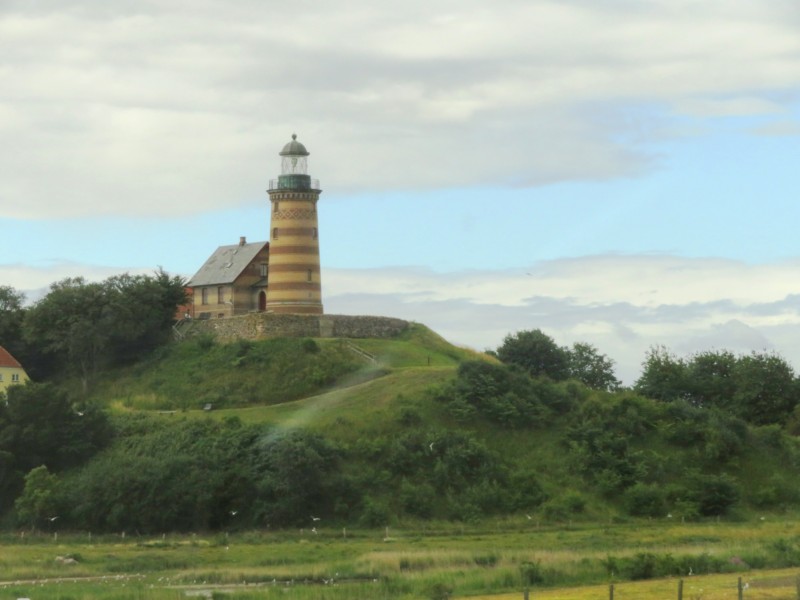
column 263, row 267
column 15, row 377
column 220, row 295
column 275, row 233
column 308, row 275
column 205, row 296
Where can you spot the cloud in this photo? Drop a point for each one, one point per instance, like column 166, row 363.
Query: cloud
column 138, row 108
column 622, row 304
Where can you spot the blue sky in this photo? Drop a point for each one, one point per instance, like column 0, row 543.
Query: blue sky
column 622, row 174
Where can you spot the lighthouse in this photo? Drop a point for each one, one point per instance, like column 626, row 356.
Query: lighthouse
column 294, row 284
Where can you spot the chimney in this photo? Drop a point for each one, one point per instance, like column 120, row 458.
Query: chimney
column 242, row 240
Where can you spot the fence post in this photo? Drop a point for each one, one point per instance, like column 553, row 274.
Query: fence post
column 680, row 589
column 739, row 587
column 611, row 591
column 525, row 595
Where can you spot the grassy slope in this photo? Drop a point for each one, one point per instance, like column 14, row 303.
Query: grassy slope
column 325, row 386
column 191, row 374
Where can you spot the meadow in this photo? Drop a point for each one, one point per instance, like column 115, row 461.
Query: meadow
column 496, row 559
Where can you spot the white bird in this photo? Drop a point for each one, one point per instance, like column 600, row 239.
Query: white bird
column 315, row 518
column 234, row 513
column 51, row 519
column 431, row 446
column 529, row 517
column 314, row 530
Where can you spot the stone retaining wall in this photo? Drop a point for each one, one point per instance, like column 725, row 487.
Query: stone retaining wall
column 268, row 325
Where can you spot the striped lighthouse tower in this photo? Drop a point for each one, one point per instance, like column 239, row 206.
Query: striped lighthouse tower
column 294, row 273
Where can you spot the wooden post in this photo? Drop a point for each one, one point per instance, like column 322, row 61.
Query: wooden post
column 680, row 589
column 611, row 591
column 526, row 594
column 739, row 587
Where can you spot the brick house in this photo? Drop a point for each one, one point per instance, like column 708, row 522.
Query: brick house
column 233, row 281
column 11, row 372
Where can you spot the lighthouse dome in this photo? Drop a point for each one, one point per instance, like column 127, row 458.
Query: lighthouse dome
column 294, row 148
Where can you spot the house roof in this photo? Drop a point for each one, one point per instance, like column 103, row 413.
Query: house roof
column 226, row 264
column 6, row 360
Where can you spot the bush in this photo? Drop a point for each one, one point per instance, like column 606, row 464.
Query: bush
column 374, row 513
column 645, row 500
column 440, row 591
column 715, row 495
column 531, row 573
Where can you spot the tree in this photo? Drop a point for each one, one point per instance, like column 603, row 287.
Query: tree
column 766, row 389
column 11, row 317
column 596, row 370
column 710, row 379
column 664, row 376
column 296, row 472
column 537, row 353
column 39, row 500
column 88, row 325
column 39, row 426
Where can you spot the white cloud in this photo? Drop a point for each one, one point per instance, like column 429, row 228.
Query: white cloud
column 147, row 108
column 622, row 304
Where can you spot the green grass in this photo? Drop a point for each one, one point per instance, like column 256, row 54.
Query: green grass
column 476, row 561
column 191, row 374
column 350, row 408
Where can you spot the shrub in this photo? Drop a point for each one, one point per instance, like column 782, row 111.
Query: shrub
column 644, row 500
column 715, row 495
column 531, row 572
column 440, row 591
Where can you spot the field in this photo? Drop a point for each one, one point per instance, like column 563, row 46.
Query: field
column 496, row 560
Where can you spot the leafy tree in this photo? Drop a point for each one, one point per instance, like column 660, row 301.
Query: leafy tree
column 161, row 476
column 11, row 317
column 40, row 426
column 766, row 389
column 87, row 325
column 11, row 313
column 710, row 379
column 664, row 376
column 296, row 474
column 596, row 370
column 494, row 392
column 39, row 500
column 760, row 388
column 537, row 353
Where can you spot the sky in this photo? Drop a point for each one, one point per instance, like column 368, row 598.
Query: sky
column 622, row 173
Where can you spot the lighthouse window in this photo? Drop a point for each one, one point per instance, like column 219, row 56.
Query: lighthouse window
column 275, row 205
column 314, row 233
column 308, row 275
column 275, row 233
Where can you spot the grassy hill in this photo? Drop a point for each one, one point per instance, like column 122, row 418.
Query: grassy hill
column 553, row 483
column 374, row 432
column 200, row 371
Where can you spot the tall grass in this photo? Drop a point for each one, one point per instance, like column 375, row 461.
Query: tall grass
column 491, row 558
